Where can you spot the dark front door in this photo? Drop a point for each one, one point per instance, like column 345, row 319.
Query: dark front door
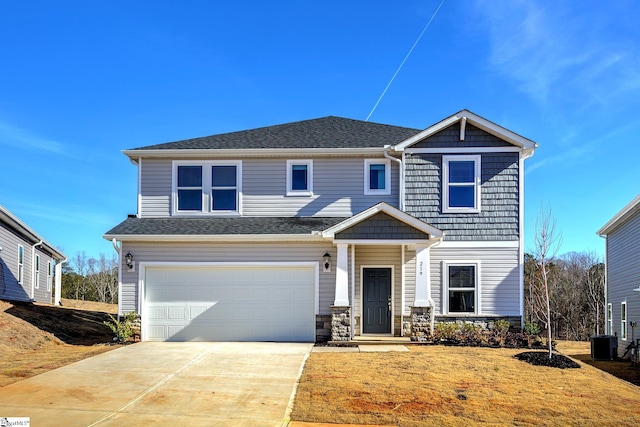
column 377, row 301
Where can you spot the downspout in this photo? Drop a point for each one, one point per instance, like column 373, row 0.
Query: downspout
column 118, row 250
column 58, row 282
column 33, row 269
column 400, row 173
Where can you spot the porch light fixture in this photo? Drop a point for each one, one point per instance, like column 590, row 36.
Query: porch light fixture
column 129, row 260
column 326, row 259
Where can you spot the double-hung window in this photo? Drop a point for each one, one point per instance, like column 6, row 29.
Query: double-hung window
column 461, row 184
column 299, row 177
column 20, row 264
column 623, row 320
column 462, row 287
column 610, row 319
column 49, row 274
column 37, row 272
column 377, row 176
column 207, row 187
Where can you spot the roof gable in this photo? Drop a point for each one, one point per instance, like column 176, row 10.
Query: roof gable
column 358, row 224
column 463, row 117
column 621, row 217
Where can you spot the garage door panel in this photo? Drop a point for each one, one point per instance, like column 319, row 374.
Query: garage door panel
column 228, row 303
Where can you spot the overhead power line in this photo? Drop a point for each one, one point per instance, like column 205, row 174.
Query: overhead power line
column 404, row 60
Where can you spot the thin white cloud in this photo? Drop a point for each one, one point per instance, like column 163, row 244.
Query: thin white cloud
column 27, row 140
column 68, row 214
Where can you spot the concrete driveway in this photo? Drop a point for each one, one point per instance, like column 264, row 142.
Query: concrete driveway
column 184, row 384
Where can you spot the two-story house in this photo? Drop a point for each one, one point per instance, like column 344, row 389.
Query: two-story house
column 30, row 267
column 622, row 260
column 326, row 229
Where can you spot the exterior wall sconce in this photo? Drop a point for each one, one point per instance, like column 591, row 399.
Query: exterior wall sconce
column 326, row 262
column 128, row 258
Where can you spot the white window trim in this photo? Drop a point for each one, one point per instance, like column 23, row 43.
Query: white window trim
column 309, row 190
column 445, row 183
column 610, row 319
column 367, row 176
column 445, row 286
column 49, row 271
column 36, row 269
column 206, row 187
column 20, row 264
column 623, row 320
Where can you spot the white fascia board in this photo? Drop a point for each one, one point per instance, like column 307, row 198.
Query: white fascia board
column 389, row 210
column 521, row 142
column 385, row 241
column 186, row 238
column 464, row 150
column 253, row 152
column 620, row 217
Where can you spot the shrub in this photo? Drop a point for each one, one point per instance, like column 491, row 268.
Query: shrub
column 123, row 329
column 446, row 332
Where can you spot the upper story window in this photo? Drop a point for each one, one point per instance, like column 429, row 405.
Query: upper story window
column 207, row 187
column 299, row 177
column 20, row 263
column 377, row 176
column 461, row 287
column 461, row 184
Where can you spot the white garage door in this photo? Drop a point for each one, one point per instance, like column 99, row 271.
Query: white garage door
column 229, row 303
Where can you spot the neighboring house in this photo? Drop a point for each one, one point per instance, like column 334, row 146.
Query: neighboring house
column 326, row 229
column 30, row 267
column 622, row 261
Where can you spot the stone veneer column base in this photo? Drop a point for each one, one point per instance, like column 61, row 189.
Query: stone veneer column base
column 340, row 323
column 421, row 323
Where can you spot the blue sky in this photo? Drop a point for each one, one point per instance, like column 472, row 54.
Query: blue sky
column 83, row 80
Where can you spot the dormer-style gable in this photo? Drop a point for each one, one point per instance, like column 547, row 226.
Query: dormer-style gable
column 465, row 117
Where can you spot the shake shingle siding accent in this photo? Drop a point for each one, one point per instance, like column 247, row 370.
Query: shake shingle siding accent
column 381, row 226
column 450, row 138
column 498, row 219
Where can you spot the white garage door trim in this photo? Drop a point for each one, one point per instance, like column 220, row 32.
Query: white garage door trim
column 144, row 265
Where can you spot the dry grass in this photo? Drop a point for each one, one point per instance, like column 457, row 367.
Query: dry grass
column 35, row 338
column 437, row 385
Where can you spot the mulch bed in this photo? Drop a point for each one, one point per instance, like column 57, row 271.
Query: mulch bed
column 540, row 358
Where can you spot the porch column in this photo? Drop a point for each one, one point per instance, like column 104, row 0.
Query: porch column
column 57, row 282
column 342, row 277
column 423, row 279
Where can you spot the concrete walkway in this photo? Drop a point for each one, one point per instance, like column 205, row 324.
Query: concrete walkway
column 185, row 384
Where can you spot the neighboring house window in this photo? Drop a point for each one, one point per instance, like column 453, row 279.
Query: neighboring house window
column 20, row 264
column 623, row 320
column 49, row 275
column 610, row 319
column 299, row 177
column 377, row 176
column 461, row 184
column 37, row 272
column 462, row 287
column 207, row 187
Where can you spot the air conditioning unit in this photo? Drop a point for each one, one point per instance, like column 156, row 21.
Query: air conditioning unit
column 604, row 347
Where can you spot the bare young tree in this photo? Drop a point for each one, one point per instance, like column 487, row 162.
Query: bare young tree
column 81, row 264
column 547, row 243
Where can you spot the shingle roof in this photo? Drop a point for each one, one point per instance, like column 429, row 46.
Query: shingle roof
column 326, row 132
column 221, row 226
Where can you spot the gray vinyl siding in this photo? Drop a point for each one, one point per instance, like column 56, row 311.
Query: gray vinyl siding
column 10, row 289
column 623, row 275
column 500, row 198
column 500, row 290
column 226, row 252
column 338, row 188
column 155, row 187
